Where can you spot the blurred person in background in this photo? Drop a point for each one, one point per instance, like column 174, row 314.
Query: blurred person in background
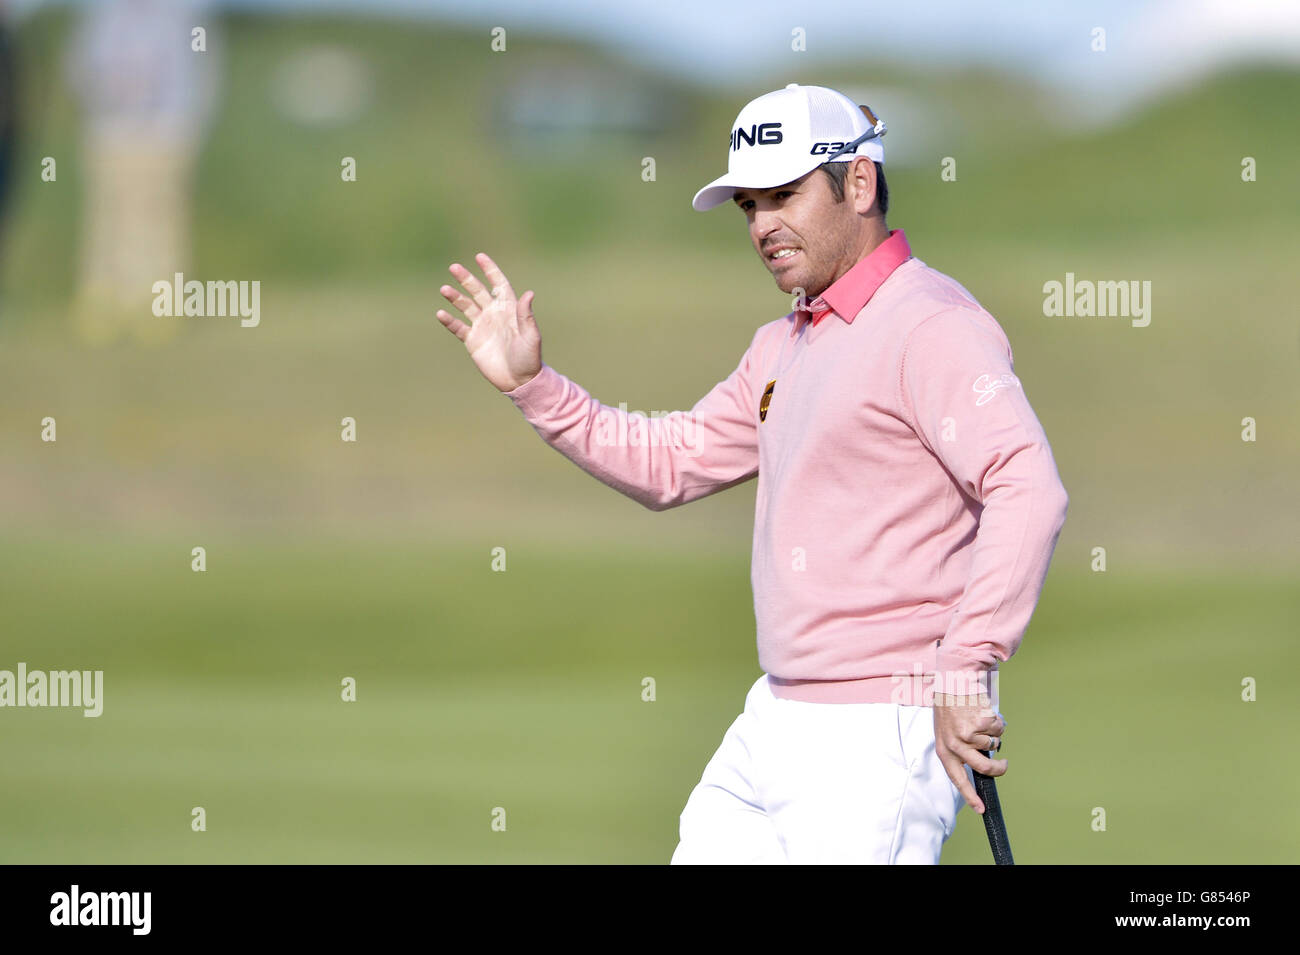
column 8, row 115
column 146, row 94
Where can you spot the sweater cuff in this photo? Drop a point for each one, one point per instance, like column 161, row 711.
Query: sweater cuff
column 539, row 393
column 957, row 675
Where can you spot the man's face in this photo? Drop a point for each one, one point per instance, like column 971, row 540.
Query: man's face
column 804, row 216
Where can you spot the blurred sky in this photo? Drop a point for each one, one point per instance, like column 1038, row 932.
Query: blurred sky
column 1151, row 46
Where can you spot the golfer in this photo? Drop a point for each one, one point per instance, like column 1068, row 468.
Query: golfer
column 907, row 507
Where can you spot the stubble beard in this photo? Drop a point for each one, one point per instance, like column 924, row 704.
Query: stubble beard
column 799, row 278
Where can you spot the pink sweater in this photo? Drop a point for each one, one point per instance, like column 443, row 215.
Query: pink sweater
column 908, row 503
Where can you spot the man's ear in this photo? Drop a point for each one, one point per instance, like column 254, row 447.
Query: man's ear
column 862, row 176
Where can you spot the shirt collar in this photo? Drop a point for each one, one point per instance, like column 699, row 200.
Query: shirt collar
column 850, row 293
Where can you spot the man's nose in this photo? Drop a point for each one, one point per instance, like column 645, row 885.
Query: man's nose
column 765, row 223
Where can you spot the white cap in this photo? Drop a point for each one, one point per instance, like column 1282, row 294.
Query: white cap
column 782, row 135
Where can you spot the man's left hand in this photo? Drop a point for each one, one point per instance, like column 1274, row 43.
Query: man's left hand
column 965, row 726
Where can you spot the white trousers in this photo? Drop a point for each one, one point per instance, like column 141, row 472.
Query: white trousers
column 808, row 783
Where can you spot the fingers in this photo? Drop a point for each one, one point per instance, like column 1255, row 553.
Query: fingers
column 481, row 296
column 453, row 324
column 960, row 754
column 460, row 300
column 494, row 275
column 987, row 734
column 982, row 732
column 977, row 761
column 956, row 770
column 981, row 741
column 990, row 726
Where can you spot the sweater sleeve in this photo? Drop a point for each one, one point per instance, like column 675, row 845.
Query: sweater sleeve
column 660, row 461
column 958, row 384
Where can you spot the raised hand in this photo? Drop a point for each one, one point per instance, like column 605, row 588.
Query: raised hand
column 503, row 338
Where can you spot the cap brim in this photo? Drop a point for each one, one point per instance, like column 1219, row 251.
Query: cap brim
column 714, row 194
column 724, row 187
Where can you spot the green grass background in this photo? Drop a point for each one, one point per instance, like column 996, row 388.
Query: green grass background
column 523, row 689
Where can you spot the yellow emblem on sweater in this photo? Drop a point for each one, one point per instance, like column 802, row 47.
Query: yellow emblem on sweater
column 767, row 400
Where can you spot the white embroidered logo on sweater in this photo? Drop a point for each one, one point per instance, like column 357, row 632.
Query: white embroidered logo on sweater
column 986, row 386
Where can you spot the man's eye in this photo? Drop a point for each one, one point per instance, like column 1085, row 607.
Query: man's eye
column 776, row 195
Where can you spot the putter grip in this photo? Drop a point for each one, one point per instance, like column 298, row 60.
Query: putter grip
column 994, row 825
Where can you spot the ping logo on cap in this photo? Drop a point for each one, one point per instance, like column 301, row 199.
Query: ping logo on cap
column 760, row 134
column 767, row 400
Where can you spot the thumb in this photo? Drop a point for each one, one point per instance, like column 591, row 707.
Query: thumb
column 524, row 310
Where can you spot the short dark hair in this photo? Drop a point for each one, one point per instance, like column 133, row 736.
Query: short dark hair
column 837, row 172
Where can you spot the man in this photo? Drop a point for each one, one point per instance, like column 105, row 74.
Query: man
column 146, row 98
column 8, row 115
column 907, row 507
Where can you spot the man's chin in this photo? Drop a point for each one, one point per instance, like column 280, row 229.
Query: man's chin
column 788, row 283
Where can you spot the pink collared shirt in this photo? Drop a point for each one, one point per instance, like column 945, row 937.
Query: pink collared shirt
column 907, row 505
